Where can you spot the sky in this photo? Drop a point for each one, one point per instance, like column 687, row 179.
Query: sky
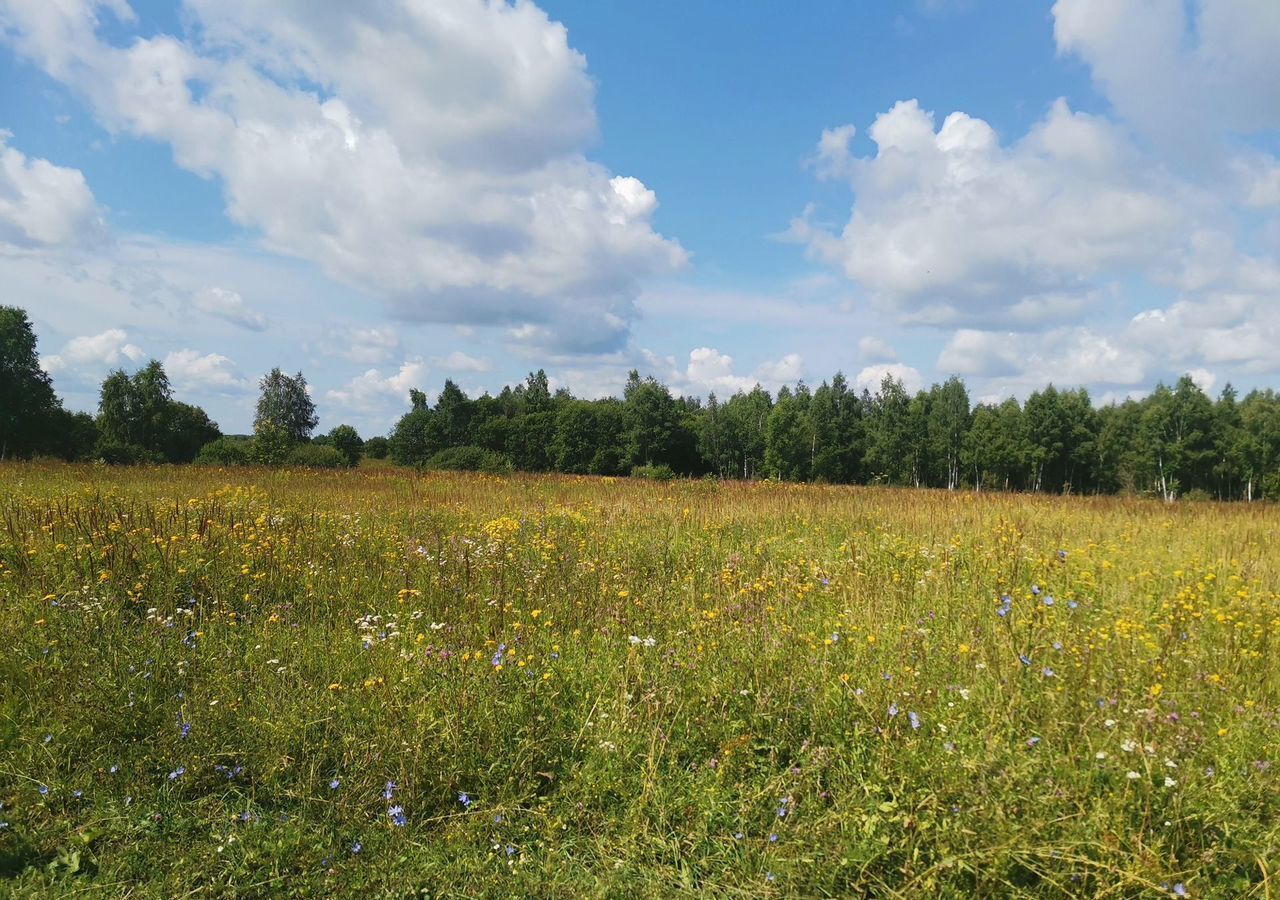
column 387, row 194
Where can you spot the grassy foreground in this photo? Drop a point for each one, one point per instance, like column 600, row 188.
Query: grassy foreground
column 231, row 683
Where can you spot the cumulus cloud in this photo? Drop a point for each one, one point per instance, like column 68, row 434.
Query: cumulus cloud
column 710, row 371
column 457, row 361
column 1181, row 81
column 872, row 349
column 374, row 391
column 870, row 377
column 44, row 205
column 229, row 306
column 94, row 352
column 950, row 227
column 432, row 152
column 191, row 371
column 1066, row 356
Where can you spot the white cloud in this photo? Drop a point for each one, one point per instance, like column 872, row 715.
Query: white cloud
column 373, row 392
column 94, row 352
column 457, row 361
column 191, row 371
column 230, row 306
column 871, row 376
column 1065, row 356
column 1181, row 82
column 361, row 345
column 872, row 349
column 43, row 205
column 950, row 227
column 432, row 152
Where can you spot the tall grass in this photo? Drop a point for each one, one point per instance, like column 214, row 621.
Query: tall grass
column 255, row 683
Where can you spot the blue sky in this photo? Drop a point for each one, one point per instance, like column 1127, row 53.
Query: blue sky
column 395, row 193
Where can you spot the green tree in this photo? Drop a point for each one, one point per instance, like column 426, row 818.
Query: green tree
column 346, row 440
column 285, row 404
column 28, row 405
column 788, row 439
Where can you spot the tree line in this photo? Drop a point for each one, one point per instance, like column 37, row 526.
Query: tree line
column 1175, row 442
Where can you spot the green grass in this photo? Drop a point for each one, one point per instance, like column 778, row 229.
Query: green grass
column 704, row 689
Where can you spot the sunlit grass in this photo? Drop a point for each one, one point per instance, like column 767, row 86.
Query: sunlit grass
column 605, row 687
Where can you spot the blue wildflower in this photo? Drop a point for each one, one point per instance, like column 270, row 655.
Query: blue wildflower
column 893, row 710
column 1048, row 600
column 44, row 789
column 465, row 799
column 510, row 850
column 1180, row 890
column 356, row 847
column 335, row 784
column 915, row 720
column 1032, row 741
column 1047, row 672
column 177, row 773
column 1035, row 589
column 388, row 790
column 773, row 839
column 397, row 816
column 1026, row 660
column 77, row 794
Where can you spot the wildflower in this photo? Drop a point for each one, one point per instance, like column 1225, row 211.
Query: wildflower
column 1032, row 741
column 335, row 784
column 1170, row 782
column 1129, row 746
column 1035, row 589
column 510, row 850
column 773, row 839
column 48, row 738
column 397, row 816
column 1071, row 604
column 389, row 790
column 114, row 769
column 1047, row 672
column 1132, row 775
column 77, row 794
column 465, row 799
column 893, row 710
column 1180, row 890
column 177, row 773
column 44, row 789
column 1101, row 754
column 738, row 836
column 1026, row 660
column 915, row 720
column 356, row 847
column 498, row 820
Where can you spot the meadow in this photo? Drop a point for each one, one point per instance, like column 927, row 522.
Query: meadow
column 219, row 683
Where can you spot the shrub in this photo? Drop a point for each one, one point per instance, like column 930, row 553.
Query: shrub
column 377, row 448
column 470, row 459
column 118, row 453
column 316, row 456
column 225, row 452
column 653, row 473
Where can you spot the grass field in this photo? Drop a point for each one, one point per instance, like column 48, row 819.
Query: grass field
column 258, row 683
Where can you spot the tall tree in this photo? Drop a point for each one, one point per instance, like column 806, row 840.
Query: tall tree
column 285, row 404
column 28, row 405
